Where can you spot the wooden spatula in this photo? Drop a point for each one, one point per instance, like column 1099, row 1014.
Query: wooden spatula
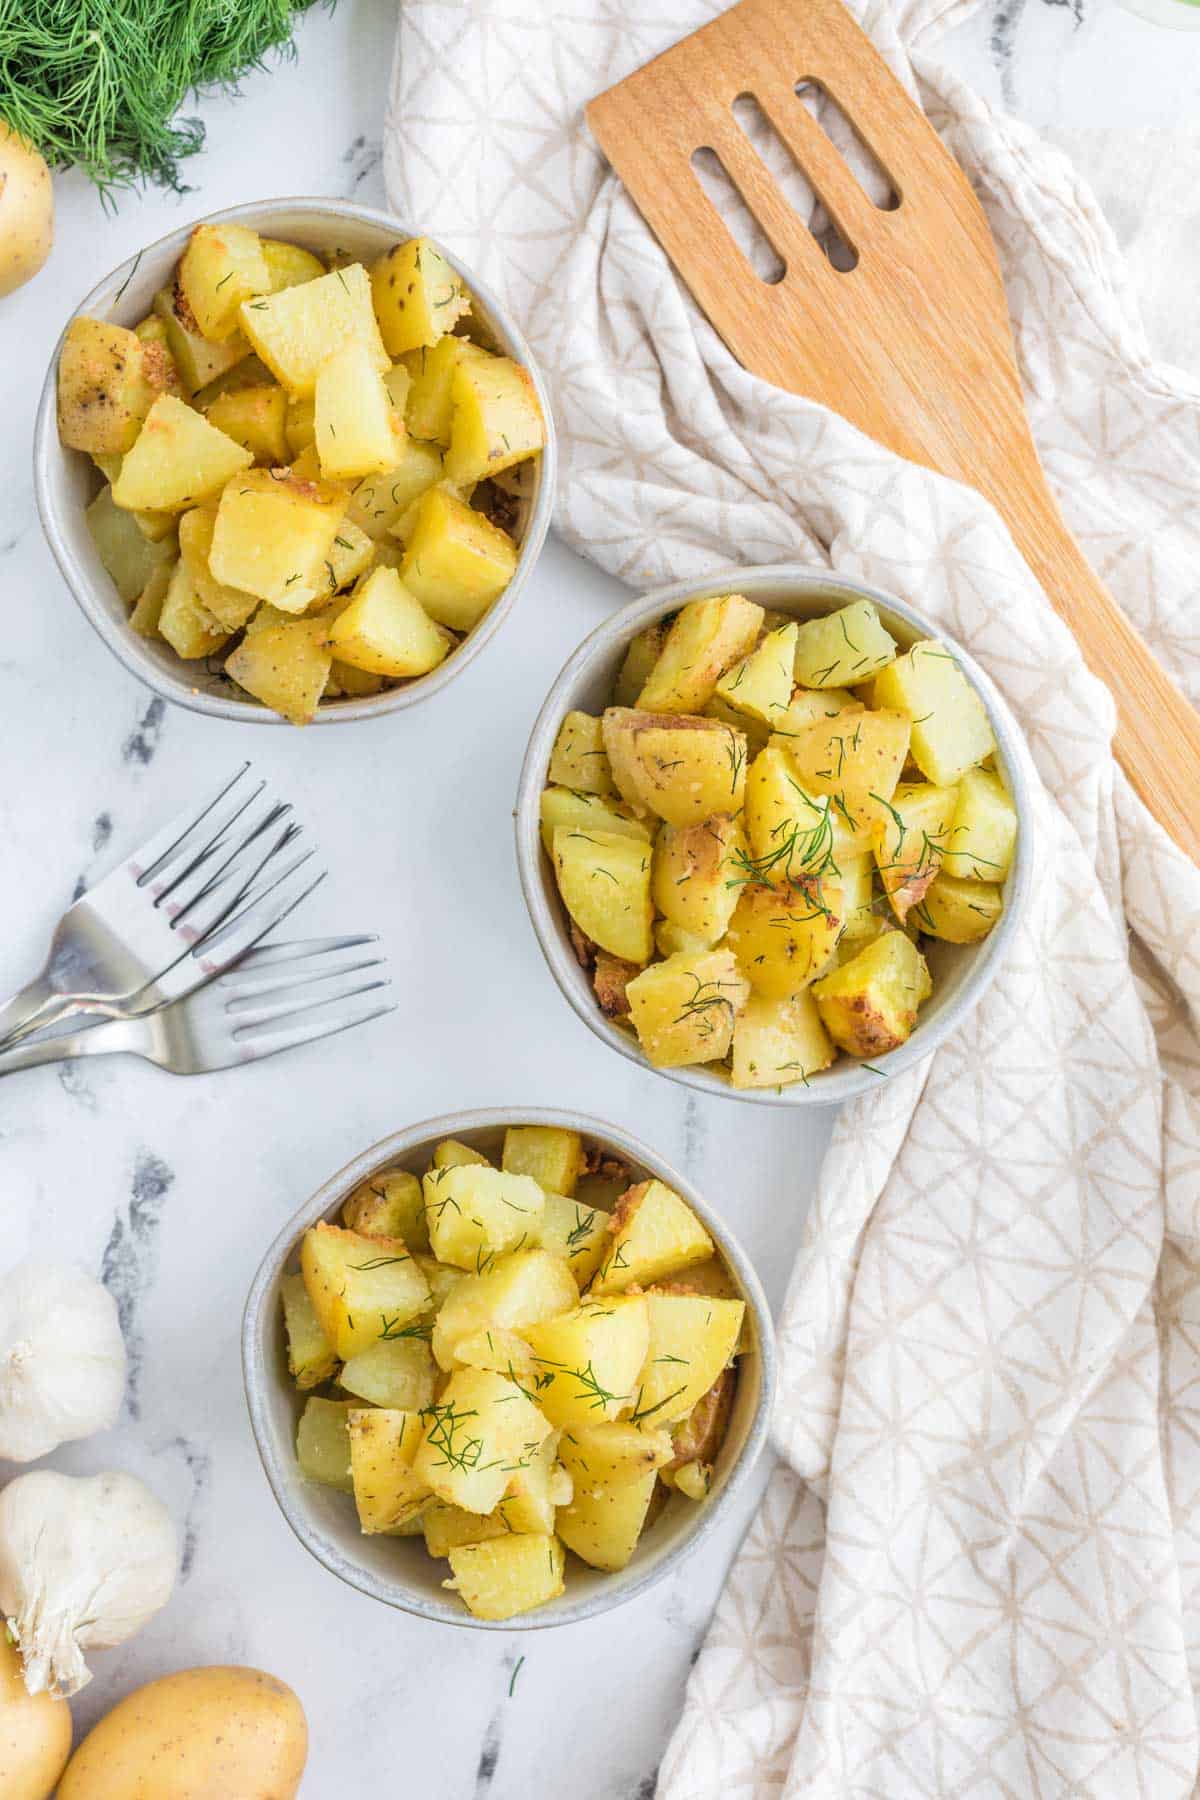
column 913, row 345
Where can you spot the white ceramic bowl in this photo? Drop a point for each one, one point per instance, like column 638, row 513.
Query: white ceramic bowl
column 65, row 480
column 961, row 973
column 397, row 1570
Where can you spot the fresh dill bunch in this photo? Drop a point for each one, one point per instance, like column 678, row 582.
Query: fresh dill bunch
column 99, row 83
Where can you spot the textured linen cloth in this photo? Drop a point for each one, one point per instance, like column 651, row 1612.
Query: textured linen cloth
column 976, row 1570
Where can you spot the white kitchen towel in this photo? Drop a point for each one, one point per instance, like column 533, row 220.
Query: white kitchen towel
column 976, row 1569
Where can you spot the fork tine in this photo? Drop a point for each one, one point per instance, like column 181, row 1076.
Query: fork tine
column 245, row 986
column 269, row 955
column 154, row 856
column 255, row 1047
column 220, row 840
column 248, row 1013
column 230, row 898
column 235, row 861
column 235, row 936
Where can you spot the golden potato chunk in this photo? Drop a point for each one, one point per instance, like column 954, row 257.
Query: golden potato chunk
column 983, row 832
column 477, row 1433
column 682, row 769
column 696, row 875
column 510, row 1575
column 185, row 622
column 104, row 387
column 418, row 295
column 379, row 500
column 683, row 1009
column 869, row 1005
column 776, row 1042
column 323, row 1443
column 177, row 460
column 273, row 535
column 855, row 759
column 604, row 880
column 285, row 666
column 536, row 1487
column 396, row 1372
column 445, row 1527
column 198, row 361
column 230, row 607
column 857, row 876
column 288, row 265
column 603, row 1523
column 579, row 759
column 550, row 1154
column 643, row 652
column 389, row 1205
column 759, row 687
column 362, row 1289
column 429, row 408
column 950, row 729
column 515, row 1290
column 568, row 809
column 311, row 1357
column 296, row 329
column 590, row 1358
column 654, row 1233
column 783, row 937
column 477, row 1213
column 387, row 631
column 611, row 1453
column 844, row 648
column 457, row 562
column 145, row 617
column 384, row 1443
column 129, row 557
column 576, row 1233
column 808, row 705
column 911, row 836
column 354, row 426
column 496, row 418
column 707, row 637
column 959, row 912
column 222, row 266
column 256, row 418
column 794, row 835
column 692, row 1338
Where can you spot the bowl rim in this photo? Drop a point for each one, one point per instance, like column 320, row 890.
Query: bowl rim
column 257, row 1380
column 848, row 1080
column 116, row 634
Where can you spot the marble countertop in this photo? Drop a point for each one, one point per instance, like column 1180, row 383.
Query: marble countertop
column 174, row 1188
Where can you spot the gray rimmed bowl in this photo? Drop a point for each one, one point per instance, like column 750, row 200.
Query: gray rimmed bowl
column 397, row 1570
column 65, row 480
column 961, row 973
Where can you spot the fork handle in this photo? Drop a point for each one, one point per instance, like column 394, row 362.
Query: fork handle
column 36, row 1005
column 98, row 1040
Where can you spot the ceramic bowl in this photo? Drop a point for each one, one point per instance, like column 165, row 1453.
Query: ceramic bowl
column 397, row 1570
column 961, row 973
column 65, row 480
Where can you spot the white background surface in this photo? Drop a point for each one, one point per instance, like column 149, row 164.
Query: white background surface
column 178, row 1186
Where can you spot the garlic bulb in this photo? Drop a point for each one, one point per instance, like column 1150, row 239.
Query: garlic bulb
column 62, row 1359
column 85, row 1561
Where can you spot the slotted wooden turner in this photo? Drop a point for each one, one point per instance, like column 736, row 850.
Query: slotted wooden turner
column 914, row 344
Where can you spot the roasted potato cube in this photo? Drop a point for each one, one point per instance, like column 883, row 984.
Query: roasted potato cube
column 670, row 939
column 682, row 769
column 450, row 1154
column 589, row 1358
column 510, row 1575
column 499, row 1350
column 300, row 427
column 441, row 1278
column 185, row 622
column 692, row 1338
column 296, row 329
column 378, row 502
column 311, row 1357
column 446, row 1527
column 286, row 667
column 158, row 365
column 384, row 1443
column 794, row 835
column 683, row 1008
column 566, row 809
column 604, row 880
column 516, row 1290
column 869, row 1005
column 535, row 1488
column 476, row 1434
column 983, row 832
column 611, row 1453
column 222, row 266
column 696, row 875
column 273, row 535
column 579, row 759
column 911, row 837
column 707, row 637
column 776, row 1042
column 784, row 937
column 395, row 1372
column 857, row 876
column 145, row 617
column 363, row 1289
column 844, row 648
column 387, row 631
column 351, row 554
column 198, row 361
column 603, row 1523
column 429, row 409
column 178, row 460
column 354, row 424
column 759, row 687
column 577, row 1233
column 643, row 652
column 654, row 1233
column 699, row 1436
column 957, row 911
column 496, row 418
column 389, row 1205
column 418, row 295
column 475, row 1214
column 230, row 607
column 104, row 387
column 551, row 1155
column 323, row 1443
column 247, row 372
column 855, row 759
column 457, row 563
column 255, row 418
column 950, row 729
column 288, row 265
column 128, row 556
column 808, row 705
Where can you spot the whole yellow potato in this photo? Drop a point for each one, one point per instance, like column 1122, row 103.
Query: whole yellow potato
column 26, row 210
column 35, row 1732
column 203, row 1733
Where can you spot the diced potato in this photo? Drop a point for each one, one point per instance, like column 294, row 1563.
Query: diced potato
column 363, row 1289
column 288, row 265
column 398, row 383
column 794, row 836
column 855, row 759
column 759, row 687
column 441, row 1278
column 959, row 912
column 499, row 1350
column 295, row 329
column 230, row 607
column 378, row 502
column 222, row 266
column 692, row 1338
column 684, row 1008
column 670, row 939
column 450, row 1154
column 178, row 459
column 389, row 1205
column 145, row 617
column 517, row 1290
column 869, row 1005
column 184, row 621
column 604, row 880
column 430, row 405
column 508, row 1576
column 602, row 1525
column 300, row 426
column 323, row 1443
column 496, row 418
column 104, row 387
column 446, row 1527
column 577, row 1233
column 579, row 759
column 784, row 937
column 535, row 1489
column 695, row 875
column 857, row 876
column 475, row 1214
column 158, row 365
column 256, row 418
column 550, row 1154
column 911, row 835
column 707, row 637
column 247, row 372
column 311, row 1356
column 983, row 832
column 655, row 1234
column 273, row 535
column 351, row 554
column 354, row 424
column 643, row 652
column 418, row 295
column 611, row 1453
column 457, row 562
column 476, row 1435
column 844, row 648
column 384, row 1444
column 950, row 729
column 198, row 361
column 808, row 705
column 286, row 667
column 128, row 556
column 566, row 809
column 682, row 769
column 386, row 631
column 776, row 1042
column 590, row 1358
column 396, row 1372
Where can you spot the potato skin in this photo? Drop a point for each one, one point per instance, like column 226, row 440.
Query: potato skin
column 35, row 1732
column 193, row 1735
column 26, row 210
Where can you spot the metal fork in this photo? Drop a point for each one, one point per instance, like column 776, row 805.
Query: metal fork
column 277, row 997
column 174, row 914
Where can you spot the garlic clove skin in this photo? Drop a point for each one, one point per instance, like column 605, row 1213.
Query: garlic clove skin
column 85, row 1561
column 62, row 1359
